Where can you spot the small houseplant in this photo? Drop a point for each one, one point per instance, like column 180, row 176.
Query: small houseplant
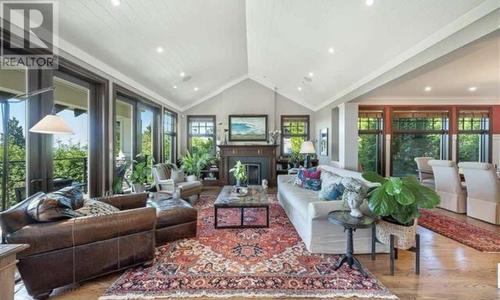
column 193, row 163
column 295, row 158
column 239, row 172
column 398, row 200
column 141, row 173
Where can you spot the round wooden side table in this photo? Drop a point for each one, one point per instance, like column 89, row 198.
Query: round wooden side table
column 350, row 224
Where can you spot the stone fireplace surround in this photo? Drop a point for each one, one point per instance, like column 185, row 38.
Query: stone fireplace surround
column 262, row 155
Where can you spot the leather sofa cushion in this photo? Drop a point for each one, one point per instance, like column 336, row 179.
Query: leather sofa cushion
column 174, row 211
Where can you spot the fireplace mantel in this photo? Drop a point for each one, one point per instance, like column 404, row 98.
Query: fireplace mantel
column 248, row 150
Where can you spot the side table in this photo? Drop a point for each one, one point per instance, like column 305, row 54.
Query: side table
column 7, row 268
column 350, row 224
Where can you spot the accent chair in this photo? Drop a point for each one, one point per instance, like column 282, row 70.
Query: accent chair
column 425, row 174
column 483, row 191
column 168, row 177
column 448, row 185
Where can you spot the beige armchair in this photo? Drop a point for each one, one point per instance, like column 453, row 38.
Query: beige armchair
column 483, row 191
column 168, row 177
column 425, row 174
column 448, row 185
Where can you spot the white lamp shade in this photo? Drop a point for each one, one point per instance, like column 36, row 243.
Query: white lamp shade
column 307, row 148
column 52, row 124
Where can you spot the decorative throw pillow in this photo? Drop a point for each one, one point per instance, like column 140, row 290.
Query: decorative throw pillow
column 50, row 207
column 312, row 173
column 75, row 194
column 95, row 208
column 312, row 184
column 178, row 176
column 331, row 188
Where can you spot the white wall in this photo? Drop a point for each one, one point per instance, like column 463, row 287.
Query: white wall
column 246, row 97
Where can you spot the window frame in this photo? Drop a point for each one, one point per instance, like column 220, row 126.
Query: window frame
column 189, row 118
column 379, row 133
column 172, row 134
column 306, row 136
column 445, row 145
column 487, row 152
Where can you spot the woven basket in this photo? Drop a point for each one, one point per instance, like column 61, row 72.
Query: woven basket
column 404, row 236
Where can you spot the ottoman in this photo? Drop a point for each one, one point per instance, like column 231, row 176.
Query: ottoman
column 175, row 219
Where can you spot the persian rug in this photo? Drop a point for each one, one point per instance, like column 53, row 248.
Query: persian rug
column 471, row 235
column 263, row 262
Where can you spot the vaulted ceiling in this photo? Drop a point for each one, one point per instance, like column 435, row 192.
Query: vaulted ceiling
column 312, row 51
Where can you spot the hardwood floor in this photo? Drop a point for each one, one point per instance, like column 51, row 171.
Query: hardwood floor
column 449, row 270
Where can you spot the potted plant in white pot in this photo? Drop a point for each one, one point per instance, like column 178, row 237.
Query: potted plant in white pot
column 239, row 172
column 398, row 201
column 193, row 164
column 141, row 173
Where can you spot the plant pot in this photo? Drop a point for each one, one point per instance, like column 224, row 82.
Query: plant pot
column 390, row 219
column 191, row 178
column 404, row 234
column 137, row 188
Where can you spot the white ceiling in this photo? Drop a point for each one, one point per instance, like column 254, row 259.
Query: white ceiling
column 276, row 42
column 450, row 77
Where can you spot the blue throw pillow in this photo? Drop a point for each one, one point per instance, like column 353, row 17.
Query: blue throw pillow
column 335, row 192
column 312, row 184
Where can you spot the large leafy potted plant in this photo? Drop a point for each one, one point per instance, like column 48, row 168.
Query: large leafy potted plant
column 193, row 164
column 295, row 158
column 398, row 200
column 239, row 172
column 141, row 173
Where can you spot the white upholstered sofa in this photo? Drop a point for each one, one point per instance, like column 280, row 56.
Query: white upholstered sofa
column 308, row 215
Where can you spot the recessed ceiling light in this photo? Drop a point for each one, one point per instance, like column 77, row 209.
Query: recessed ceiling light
column 182, row 74
column 331, row 50
column 473, row 89
column 159, row 49
column 174, row 86
column 299, row 88
column 369, row 2
column 115, row 2
column 195, row 88
column 428, row 89
column 311, row 74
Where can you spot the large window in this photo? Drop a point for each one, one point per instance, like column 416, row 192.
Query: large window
column 294, row 131
column 415, row 134
column 370, row 140
column 473, row 142
column 70, row 152
column 169, row 136
column 201, row 134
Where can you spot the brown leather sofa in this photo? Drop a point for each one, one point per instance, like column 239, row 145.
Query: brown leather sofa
column 79, row 249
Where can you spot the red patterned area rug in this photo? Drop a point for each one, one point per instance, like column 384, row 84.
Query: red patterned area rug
column 264, row 262
column 473, row 236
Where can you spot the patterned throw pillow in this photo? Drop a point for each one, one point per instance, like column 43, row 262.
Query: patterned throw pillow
column 303, row 173
column 75, row 194
column 331, row 188
column 312, row 184
column 95, row 208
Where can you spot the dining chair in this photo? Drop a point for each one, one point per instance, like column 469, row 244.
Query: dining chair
column 483, row 191
column 448, row 186
column 425, row 174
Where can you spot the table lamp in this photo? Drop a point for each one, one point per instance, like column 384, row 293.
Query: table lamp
column 307, row 148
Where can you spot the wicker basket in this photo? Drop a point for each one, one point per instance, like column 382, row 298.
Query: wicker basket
column 404, row 236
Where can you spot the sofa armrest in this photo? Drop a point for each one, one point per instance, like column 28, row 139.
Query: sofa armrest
column 43, row 237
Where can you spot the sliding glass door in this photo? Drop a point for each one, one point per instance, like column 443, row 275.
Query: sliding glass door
column 12, row 137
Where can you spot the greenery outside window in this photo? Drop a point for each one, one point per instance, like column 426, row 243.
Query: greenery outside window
column 415, row 134
column 169, row 136
column 294, row 131
column 473, row 142
column 201, row 134
column 370, row 140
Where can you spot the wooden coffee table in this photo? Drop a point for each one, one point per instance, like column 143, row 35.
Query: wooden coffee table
column 256, row 197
